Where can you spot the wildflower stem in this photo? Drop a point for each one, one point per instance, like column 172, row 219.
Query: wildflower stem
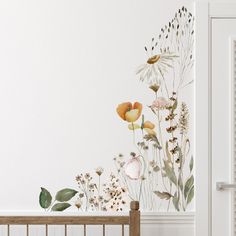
column 140, row 190
column 99, row 185
column 160, row 133
column 162, row 76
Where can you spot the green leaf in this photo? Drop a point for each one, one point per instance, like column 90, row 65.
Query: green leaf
column 180, row 182
column 61, row 206
column 142, row 125
column 65, row 195
column 191, row 164
column 188, row 186
column 180, row 157
column 170, row 173
column 190, row 195
column 167, row 152
column 133, row 126
column 175, row 201
column 45, row 198
column 163, row 195
column 186, row 146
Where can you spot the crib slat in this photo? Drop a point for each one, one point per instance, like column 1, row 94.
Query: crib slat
column 65, row 230
column 46, row 230
column 8, row 230
column 27, row 230
column 123, row 230
column 104, row 230
column 85, row 230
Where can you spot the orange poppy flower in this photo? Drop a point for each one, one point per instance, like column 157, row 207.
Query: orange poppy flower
column 129, row 112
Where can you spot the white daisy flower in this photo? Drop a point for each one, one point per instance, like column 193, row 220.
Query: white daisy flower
column 155, row 67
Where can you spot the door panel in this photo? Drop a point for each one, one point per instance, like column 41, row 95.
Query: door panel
column 223, row 97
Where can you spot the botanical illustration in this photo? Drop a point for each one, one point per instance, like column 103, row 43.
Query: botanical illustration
column 159, row 170
column 91, row 195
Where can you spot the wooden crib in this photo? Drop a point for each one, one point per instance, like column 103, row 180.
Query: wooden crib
column 132, row 220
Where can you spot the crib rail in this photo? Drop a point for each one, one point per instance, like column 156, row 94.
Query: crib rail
column 64, row 220
column 133, row 221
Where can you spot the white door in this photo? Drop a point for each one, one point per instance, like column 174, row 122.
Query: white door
column 215, row 118
column 223, row 120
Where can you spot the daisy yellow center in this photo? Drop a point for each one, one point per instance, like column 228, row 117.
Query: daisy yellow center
column 153, row 59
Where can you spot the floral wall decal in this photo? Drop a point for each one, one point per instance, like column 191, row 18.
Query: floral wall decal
column 159, row 170
column 91, row 195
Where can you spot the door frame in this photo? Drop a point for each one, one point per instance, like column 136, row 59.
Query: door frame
column 205, row 11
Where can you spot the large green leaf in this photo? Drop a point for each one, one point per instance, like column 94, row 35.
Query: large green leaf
column 60, row 206
column 188, row 186
column 175, row 201
column 163, row 195
column 170, row 173
column 45, row 198
column 65, row 195
column 190, row 195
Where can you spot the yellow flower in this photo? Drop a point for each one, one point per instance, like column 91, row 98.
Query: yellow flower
column 129, row 112
column 148, row 126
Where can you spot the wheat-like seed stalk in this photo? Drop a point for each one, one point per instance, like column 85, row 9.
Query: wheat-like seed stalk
column 183, row 119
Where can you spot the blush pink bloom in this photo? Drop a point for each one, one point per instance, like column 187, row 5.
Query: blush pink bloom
column 133, row 168
column 160, row 103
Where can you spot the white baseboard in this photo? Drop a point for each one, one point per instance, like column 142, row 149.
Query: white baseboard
column 185, row 218
column 166, row 224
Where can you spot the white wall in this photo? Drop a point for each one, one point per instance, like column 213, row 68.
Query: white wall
column 65, row 65
column 64, row 68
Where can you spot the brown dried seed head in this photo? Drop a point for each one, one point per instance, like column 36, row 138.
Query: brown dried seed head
column 87, row 176
column 142, row 177
column 78, row 203
column 99, row 171
column 155, row 87
column 156, row 168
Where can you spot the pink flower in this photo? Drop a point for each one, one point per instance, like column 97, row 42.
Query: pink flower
column 160, row 103
column 133, row 168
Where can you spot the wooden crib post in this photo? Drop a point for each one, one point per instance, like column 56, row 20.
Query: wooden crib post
column 134, row 214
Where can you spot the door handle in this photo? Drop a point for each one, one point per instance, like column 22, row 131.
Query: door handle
column 221, row 186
